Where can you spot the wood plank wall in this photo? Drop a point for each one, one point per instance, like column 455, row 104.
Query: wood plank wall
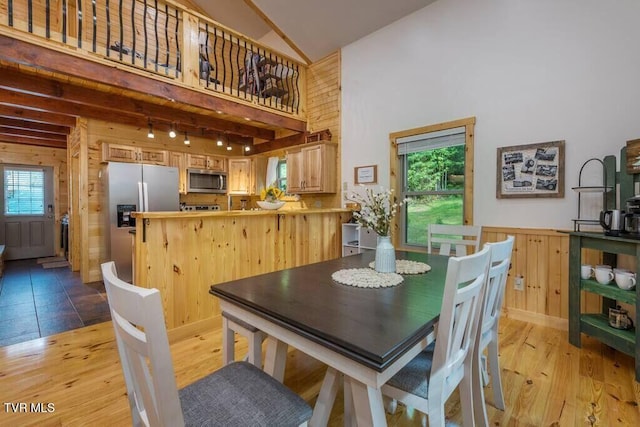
column 541, row 257
column 21, row 154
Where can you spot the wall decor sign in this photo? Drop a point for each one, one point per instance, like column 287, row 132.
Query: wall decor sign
column 533, row 170
column 633, row 156
column 366, row 174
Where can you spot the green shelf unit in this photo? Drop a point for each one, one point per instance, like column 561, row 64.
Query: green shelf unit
column 597, row 326
column 611, row 291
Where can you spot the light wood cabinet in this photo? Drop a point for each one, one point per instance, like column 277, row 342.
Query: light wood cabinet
column 201, row 161
column 312, row 169
column 128, row 154
column 179, row 160
column 241, row 176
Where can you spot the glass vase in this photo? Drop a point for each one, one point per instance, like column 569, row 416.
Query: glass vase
column 385, row 255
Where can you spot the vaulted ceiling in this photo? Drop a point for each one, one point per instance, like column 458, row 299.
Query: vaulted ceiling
column 39, row 105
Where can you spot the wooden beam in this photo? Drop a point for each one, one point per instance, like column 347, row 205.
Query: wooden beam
column 29, row 125
column 31, row 84
column 280, row 143
column 278, row 31
column 21, row 52
column 20, row 113
column 32, row 134
column 30, row 141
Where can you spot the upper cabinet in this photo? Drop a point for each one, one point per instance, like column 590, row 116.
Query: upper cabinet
column 179, row 160
column 126, row 153
column 312, row 168
column 200, row 161
column 241, row 176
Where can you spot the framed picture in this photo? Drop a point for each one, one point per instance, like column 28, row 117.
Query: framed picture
column 366, row 174
column 533, row 170
column 633, row 156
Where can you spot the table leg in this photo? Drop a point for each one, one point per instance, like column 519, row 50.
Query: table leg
column 367, row 404
column 275, row 358
column 326, row 398
column 228, row 342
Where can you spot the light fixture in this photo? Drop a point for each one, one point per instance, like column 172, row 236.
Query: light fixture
column 186, row 138
column 219, row 142
column 247, row 148
column 229, row 147
column 150, row 133
column 172, row 132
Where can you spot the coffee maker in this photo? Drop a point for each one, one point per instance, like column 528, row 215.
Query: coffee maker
column 632, row 217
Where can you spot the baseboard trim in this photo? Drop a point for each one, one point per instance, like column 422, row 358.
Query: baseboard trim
column 536, row 318
column 195, row 328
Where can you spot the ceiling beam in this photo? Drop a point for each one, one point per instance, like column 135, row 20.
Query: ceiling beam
column 29, row 125
column 32, row 134
column 280, row 143
column 21, row 113
column 31, row 84
column 38, row 57
column 13, row 139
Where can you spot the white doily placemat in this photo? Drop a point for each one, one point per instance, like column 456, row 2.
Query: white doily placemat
column 366, row 278
column 406, row 266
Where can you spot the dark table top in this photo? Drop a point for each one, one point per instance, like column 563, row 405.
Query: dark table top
column 371, row 326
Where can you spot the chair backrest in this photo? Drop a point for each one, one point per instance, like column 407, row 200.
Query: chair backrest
column 143, row 346
column 494, row 292
column 458, row 324
column 456, row 237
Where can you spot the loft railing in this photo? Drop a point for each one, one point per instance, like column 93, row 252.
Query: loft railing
column 152, row 35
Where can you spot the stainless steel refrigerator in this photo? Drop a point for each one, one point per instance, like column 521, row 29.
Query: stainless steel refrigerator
column 131, row 187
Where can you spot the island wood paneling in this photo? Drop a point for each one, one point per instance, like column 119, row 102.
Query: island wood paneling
column 56, row 158
column 183, row 255
column 541, row 257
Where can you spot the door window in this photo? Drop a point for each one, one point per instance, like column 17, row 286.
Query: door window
column 23, row 191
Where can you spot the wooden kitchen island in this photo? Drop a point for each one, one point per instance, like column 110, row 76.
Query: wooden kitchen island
column 183, row 253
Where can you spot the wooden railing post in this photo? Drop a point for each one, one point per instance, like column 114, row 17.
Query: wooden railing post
column 191, row 50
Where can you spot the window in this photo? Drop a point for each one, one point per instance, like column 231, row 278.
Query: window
column 433, row 166
column 281, row 175
column 23, row 191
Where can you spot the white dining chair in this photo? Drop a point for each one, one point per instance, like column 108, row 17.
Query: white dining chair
column 238, row 394
column 428, row 380
column 453, row 238
column 487, row 337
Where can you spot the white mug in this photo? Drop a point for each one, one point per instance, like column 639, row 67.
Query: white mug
column 604, row 275
column 586, row 271
column 625, row 280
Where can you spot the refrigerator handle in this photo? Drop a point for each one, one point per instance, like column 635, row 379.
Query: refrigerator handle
column 140, row 199
column 146, row 197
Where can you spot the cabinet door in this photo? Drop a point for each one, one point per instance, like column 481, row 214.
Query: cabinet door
column 151, row 156
column 196, row 161
column 240, row 176
column 312, row 161
column 294, row 172
column 119, row 153
column 179, row 161
column 216, row 163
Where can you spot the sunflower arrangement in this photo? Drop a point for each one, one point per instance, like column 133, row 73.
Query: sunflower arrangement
column 271, row 194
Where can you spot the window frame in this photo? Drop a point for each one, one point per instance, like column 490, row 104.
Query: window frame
column 30, row 170
column 398, row 179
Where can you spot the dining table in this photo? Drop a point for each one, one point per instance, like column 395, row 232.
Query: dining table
column 364, row 335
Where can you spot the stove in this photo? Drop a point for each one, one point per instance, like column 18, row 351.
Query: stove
column 190, row 208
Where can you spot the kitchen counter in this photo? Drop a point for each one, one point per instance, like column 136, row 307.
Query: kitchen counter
column 247, row 212
column 183, row 253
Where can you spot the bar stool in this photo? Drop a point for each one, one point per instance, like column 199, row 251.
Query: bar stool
column 254, row 336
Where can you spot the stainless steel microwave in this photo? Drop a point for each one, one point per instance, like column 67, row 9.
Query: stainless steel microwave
column 206, row 181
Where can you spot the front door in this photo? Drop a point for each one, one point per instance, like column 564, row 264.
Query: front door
column 27, row 215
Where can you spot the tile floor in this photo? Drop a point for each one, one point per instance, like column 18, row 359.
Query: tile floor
column 37, row 302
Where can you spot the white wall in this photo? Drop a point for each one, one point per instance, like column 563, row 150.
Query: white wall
column 530, row 71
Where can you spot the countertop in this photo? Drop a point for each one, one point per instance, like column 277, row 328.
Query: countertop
column 200, row 214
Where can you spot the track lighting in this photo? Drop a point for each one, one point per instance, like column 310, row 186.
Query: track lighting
column 150, row 133
column 229, row 147
column 186, row 139
column 172, row 132
column 219, row 142
column 247, row 148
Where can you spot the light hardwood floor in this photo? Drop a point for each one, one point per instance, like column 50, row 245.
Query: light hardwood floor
column 547, row 381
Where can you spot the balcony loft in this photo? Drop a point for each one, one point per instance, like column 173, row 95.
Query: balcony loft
column 135, row 62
